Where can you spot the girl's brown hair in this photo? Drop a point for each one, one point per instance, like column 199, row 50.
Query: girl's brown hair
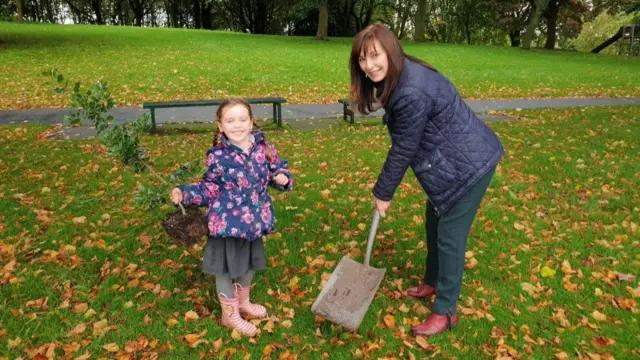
column 362, row 88
column 230, row 102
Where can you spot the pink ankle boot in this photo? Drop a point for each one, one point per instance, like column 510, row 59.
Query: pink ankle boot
column 231, row 316
column 248, row 309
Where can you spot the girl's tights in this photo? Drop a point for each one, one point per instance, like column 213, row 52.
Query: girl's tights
column 224, row 283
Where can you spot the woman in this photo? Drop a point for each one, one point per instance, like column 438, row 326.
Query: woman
column 453, row 154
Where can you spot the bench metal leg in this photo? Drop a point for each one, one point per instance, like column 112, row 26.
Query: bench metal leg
column 347, row 112
column 153, row 119
column 279, row 115
column 275, row 113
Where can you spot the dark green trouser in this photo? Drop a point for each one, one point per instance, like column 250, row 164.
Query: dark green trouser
column 447, row 244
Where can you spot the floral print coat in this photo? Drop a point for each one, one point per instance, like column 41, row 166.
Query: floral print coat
column 234, row 189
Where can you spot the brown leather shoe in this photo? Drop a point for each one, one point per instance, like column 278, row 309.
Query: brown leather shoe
column 421, row 291
column 436, row 324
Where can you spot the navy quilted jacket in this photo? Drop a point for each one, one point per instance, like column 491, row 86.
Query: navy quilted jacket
column 434, row 131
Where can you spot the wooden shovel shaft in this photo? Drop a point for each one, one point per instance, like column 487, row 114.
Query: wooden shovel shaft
column 372, row 235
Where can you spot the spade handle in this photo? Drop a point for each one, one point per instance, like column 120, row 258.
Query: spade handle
column 372, row 235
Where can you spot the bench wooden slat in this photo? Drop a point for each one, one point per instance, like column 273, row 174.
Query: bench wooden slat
column 276, row 101
column 165, row 104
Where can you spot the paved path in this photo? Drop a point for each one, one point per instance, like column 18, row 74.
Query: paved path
column 309, row 111
column 301, row 116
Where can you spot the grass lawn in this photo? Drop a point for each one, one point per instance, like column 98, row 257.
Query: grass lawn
column 159, row 64
column 86, row 269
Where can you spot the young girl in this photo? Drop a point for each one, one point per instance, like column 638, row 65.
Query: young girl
column 240, row 166
column 452, row 153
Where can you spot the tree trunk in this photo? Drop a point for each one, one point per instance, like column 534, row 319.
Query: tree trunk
column 35, row 12
column 137, row 7
column 609, row 41
column 261, row 18
column 243, row 15
column 176, row 18
column 96, row 5
column 552, row 20
column 171, row 21
column 351, row 4
column 541, row 6
column 344, row 19
column 403, row 22
column 197, row 14
column 514, row 36
column 323, row 21
column 363, row 17
column 154, row 18
column 137, row 19
column 50, row 16
column 250, row 19
column 467, row 26
column 421, row 19
column 368, row 15
column 207, row 16
column 19, row 9
column 116, row 16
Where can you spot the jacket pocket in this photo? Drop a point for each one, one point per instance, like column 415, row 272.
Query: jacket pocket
column 435, row 173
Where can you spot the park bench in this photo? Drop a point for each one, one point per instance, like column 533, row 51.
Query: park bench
column 276, row 101
column 346, row 111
